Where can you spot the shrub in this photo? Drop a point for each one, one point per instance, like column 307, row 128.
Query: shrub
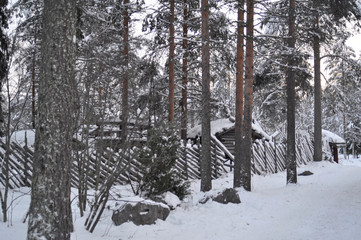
column 158, row 158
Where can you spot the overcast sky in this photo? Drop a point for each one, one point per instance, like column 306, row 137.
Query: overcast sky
column 355, row 43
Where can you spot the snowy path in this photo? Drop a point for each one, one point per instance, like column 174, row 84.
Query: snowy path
column 326, row 205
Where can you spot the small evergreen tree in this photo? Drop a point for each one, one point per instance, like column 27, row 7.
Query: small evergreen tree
column 158, row 158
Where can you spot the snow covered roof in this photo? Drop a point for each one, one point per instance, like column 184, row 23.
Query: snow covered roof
column 224, row 124
column 332, row 137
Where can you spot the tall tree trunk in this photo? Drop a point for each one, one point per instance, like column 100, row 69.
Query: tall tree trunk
column 248, row 102
column 239, row 95
column 50, row 209
column 184, row 119
column 171, row 63
column 206, row 168
column 344, row 112
column 33, row 80
column 291, row 164
column 4, row 57
column 317, row 94
column 125, row 92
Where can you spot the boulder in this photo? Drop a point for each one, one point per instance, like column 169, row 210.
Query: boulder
column 305, row 173
column 229, row 195
column 140, row 213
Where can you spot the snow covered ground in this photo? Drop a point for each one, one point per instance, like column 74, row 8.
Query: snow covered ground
column 326, row 205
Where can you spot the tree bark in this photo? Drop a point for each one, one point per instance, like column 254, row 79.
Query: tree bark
column 184, row 114
column 239, row 95
column 171, row 63
column 206, row 170
column 184, row 119
column 50, row 209
column 125, row 92
column 291, row 164
column 248, row 102
column 4, row 57
column 317, row 92
column 33, row 81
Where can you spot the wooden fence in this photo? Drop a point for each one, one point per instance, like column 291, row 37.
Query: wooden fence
column 269, row 157
column 94, row 167
column 15, row 165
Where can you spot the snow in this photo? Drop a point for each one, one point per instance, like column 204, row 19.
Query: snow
column 19, row 137
column 332, row 137
column 218, row 125
column 172, row 200
column 224, row 124
column 325, row 205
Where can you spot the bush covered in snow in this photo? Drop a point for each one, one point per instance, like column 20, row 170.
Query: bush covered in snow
column 158, row 158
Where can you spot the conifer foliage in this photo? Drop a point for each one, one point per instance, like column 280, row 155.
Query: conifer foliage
column 159, row 158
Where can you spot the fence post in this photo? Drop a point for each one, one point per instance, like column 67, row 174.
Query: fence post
column 185, row 159
column 265, row 155
column 215, row 158
column 26, row 167
column 274, row 143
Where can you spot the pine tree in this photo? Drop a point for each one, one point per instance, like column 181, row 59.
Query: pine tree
column 125, row 90
column 4, row 57
column 291, row 164
column 248, row 102
column 50, row 209
column 171, row 62
column 317, row 155
column 335, row 11
column 239, row 95
column 206, row 170
column 184, row 117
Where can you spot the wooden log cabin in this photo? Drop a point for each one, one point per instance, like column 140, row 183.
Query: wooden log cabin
column 224, row 131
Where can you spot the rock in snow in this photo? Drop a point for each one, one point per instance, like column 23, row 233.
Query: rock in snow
column 228, row 195
column 306, row 173
column 141, row 213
